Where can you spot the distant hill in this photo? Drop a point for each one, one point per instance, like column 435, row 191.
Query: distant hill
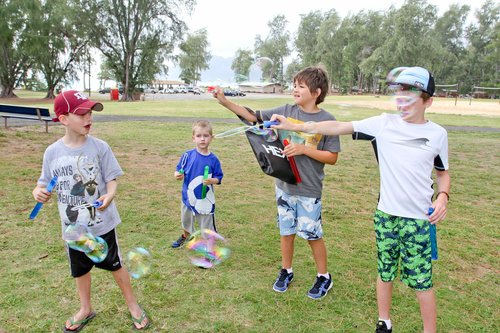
column 220, row 70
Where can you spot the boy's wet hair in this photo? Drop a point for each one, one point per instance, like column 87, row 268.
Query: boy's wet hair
column 314, row 78
column 203, row 124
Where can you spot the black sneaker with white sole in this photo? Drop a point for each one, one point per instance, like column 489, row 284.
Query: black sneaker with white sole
column 382, row 327
column 320, row 287
column 283, row 281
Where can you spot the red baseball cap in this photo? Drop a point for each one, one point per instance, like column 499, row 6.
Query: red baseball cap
column 75, row 102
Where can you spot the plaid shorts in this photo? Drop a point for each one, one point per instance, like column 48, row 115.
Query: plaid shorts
column 299, row 215
column 406, row 239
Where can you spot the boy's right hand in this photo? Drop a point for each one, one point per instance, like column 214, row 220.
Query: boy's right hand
column 284, row 123
column 41, row 194
column 218, row 94
column 178, row 175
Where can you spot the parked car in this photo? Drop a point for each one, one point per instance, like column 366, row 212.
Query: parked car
column 193, row 90
column 230, row 92
column 239, row 92
column 150, row 90
column 105, row 91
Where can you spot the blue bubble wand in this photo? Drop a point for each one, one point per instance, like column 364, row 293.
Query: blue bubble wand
column 95, row 204
column 433, row 233
column 39, row 205
column 266, row 124
column 183, row 163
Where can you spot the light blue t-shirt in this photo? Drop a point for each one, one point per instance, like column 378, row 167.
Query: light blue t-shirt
column 82, row 176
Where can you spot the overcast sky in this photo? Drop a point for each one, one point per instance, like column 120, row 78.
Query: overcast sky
column 233, row 24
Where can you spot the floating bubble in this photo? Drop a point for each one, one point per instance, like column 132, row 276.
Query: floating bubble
column 100, row 252
column 269, row 134
column 79, row 238
column 206, row 248
column 263, row 67
column 138, row 262
column 393, row 75
column 403, row 94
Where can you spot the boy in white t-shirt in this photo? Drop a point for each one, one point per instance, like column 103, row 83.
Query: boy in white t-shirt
column 407, row 147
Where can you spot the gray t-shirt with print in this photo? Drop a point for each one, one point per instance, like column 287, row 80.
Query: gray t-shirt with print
column 82, row 176
column 311, row 171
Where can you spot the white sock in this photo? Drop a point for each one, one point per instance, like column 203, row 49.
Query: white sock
column 289, row 270
column 387, row 323
column 326, row 275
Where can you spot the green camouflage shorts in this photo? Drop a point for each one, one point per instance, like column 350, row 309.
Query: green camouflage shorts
column 408, row 239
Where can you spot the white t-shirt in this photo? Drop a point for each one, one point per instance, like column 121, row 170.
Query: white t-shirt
column 406, row 155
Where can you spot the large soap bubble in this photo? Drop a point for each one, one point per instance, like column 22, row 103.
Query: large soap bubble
column 206, row 248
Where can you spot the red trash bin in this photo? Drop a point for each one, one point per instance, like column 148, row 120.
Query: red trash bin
column 114, row 94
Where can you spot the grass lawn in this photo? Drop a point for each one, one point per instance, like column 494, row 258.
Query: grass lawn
column 38, row 294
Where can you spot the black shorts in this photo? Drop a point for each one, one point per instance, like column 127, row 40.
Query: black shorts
column 80, row 264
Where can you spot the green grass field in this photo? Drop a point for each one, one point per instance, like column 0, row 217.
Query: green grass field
column 38, row 294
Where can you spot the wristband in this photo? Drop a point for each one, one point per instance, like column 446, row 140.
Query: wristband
column 447, row 195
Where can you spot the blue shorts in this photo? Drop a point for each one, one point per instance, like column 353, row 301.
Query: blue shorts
column 299, row 215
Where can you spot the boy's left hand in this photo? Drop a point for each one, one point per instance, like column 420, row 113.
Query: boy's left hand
column 210, row 181
column 439, row 211
column 106, row 200
column 294, row 149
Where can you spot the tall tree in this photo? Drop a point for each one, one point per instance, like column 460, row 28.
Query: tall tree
column 293, row 68
column 482, row 61
column 136, row 36
column 194, row 56
column 329, row 45
column 449, row 33
column 59, row 42
column 105, row 74
column 15, row 60
column 409, row 39
column 307, row 38
column 241, row 64
column 274, row 47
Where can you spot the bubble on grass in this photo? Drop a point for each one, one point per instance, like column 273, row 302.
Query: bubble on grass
column 206, row 248
column 138, row 262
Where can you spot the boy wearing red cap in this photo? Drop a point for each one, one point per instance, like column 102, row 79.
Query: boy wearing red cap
column 407, row 147
column 86, row 171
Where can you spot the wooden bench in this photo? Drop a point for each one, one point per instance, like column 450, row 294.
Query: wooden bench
column 25, row 112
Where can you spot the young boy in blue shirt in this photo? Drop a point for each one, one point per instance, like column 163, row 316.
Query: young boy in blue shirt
column 299, row 205
column 407, row 147
column 192, row 166
column 86, row 163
